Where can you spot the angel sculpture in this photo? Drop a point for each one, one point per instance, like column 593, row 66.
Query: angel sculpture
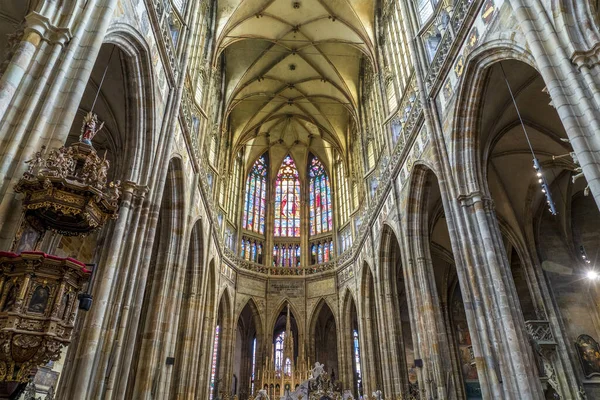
column 377, row 395
column 90, row 128
column 262, row 395
column 64, row 161
column 103, row 173
column 114, row 190
column 36, row 162
column 90, row 169
column 318, row 370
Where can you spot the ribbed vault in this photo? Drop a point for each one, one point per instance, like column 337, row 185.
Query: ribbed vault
column 291, row 73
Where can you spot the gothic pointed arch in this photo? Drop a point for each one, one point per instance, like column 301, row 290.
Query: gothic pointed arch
column 154, row 327
column 137, row 128
column 249, row 349
column 279, row 311
column 222, row 354
column 352, row 340
column 393, row 285
column 429, row 242
column 468, row 111
column 323, row 337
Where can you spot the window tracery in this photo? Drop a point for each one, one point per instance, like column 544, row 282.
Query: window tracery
column 253, row 218
column 279, row 351
column 321, row 218
column 322, row 251
column 286, row 255
column 287, row 200
column 357, row 369
column 252, row 250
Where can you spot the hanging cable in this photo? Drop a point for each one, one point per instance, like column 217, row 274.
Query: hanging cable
column 536, row 163
column 103, row 76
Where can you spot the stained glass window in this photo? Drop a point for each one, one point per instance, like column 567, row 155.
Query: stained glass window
column 288, row 367
column 252, row 250
column 287, row 200
column 286, row 255
column 253, row 366
column 346, row 240
column 356, row 360
column 253, row 218
column 321, row 252
column 320, row 198
column 215, row 357
column 279, row 351
column 342, row 192
column 233, row 197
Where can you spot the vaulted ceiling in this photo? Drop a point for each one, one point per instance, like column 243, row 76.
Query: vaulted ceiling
column 292, row 73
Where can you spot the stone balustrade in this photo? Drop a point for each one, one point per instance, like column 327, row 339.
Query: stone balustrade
column 541, row 332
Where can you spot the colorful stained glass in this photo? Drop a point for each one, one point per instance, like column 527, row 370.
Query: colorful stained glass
column 287, row 200
column 321, row 252
column 357, row 369
column 253, row 366
column 215, row 357
column 279, row 351
column 320, row 198
column 256, row 192
column 286, row 255
column 251, row 250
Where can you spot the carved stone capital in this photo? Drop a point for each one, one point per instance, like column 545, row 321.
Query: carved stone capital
column 587, row 58
column 42, row 25
column 470, row 199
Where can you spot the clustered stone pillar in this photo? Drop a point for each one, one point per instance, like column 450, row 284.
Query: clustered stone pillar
column 36, row 82
column 427, row 317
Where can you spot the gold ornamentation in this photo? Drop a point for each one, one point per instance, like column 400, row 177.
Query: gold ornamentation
column 30, row 335
column 68, row 191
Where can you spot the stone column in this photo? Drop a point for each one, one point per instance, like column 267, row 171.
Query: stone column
column 392, row 350
column 38, row 81
column 500, row 344
column 502, row 355
column 427, row 317
column 84, row 351
column 432, row 343
column 372, row 351
column 208, row 337
column 117, row 323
